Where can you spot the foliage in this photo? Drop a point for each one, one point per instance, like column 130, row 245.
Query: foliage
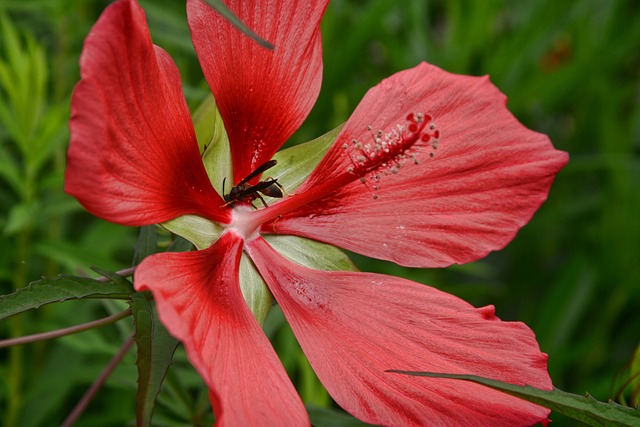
column 582, row 408
column 570, row 70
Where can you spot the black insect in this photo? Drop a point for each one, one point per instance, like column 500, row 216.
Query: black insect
column 243, row 192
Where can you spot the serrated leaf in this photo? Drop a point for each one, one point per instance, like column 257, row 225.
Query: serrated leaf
column 223, row 10
column 115, row 278
column 582, row 408
column 59, row 289
column 155, row 355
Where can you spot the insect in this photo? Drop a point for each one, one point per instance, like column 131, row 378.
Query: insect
column 243, row 192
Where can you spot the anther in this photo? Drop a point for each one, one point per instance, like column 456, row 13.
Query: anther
column 389, row 150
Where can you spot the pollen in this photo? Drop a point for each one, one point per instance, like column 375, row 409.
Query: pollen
column 387, row 152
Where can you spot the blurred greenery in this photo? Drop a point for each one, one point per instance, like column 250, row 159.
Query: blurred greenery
column 570, row 69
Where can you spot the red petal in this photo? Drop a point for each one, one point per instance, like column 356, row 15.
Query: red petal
column 263, row 95
column 199, row 301
column 355, row 326
column 133, row 157
column 486, row 179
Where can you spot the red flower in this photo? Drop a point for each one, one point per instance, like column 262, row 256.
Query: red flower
column 430, row 170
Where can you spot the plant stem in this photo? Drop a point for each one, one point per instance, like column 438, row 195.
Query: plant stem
column 126, row 272
column 66, row 331
column 16, row 354
column 91, row 392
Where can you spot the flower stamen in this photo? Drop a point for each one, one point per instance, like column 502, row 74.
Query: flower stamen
column 388, row 152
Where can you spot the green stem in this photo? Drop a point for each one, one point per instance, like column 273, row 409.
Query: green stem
column 16, row 354
column 16, row 323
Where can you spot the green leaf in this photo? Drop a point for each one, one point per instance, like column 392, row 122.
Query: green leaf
column 180, row 244
column 223, row 10
column 311, row 253
column 146, row 244
column 23, row 77
column 254, row 290
column 59, row 289
column 115, row 278
column 326, row 417
column 297, row 162
column 208, row 123
column 155, row 355
column 635, row 377
column 214, row 142
column 22, row 216
column 196, row 229
column 9, row 168
column 582, row 408
column 52, row 135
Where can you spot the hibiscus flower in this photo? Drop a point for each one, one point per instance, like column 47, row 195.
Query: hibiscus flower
column 430, row 170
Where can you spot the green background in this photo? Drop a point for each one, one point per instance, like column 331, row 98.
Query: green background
column 571, row 69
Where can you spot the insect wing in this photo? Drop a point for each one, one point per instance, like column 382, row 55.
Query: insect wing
column 263, row 167
column 249, row 192
column 274, row 190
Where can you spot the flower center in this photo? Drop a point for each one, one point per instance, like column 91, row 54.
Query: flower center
column 243, row 223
